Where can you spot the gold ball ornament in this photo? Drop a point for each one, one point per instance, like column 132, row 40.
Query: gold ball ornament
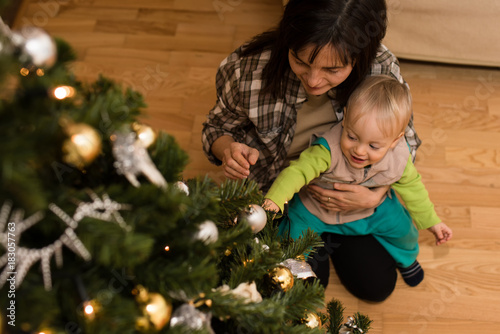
column 282, row 277
column 154, row 307
column 158, row 310
column 83, row 145
column 145, row 134
column 312, row 320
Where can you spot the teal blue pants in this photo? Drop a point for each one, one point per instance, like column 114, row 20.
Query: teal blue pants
column 390, row 224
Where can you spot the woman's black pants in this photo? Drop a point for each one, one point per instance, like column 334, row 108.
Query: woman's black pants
column 364, row 267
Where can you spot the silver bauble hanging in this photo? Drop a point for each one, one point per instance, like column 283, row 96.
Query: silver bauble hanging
column 300, row 269
column 36, row 46
column 255, row 216
column 189, row 317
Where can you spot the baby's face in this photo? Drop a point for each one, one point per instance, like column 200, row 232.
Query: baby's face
column 363, row 143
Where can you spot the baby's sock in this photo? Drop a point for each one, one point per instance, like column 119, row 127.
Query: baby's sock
column 413, row 274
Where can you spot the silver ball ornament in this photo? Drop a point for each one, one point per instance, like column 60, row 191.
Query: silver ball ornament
column 189, row 317
column 207, row 232
column 255, row 216
column 36, row 46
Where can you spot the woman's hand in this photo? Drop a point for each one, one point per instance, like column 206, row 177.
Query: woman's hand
column 236, row 157
column 347, row 197
column 237, row 160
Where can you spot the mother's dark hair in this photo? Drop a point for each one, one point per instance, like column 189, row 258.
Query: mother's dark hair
column 355, row 29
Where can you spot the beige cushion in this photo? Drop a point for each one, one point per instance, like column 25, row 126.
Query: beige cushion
column 459, row 31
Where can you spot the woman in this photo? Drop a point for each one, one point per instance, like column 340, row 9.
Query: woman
column 290, row 82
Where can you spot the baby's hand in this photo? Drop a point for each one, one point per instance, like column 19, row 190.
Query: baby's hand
column 442, row 233
column 270, row 205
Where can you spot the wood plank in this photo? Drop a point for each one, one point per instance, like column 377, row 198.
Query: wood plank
column 485, row 218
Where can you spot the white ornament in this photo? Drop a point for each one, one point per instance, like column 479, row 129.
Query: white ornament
column 105, row 209
column 207, row 232
column 300, row 269
column 36, row 45
column 247, row 291
column 13, row 225
column 265, row 247
column 132, row 159
column 189, row 317
column 11, row 230
column 255, row 216
column 350, row 327
column 182, row 187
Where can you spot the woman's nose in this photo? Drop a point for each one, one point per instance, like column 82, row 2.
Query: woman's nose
column 313, row 78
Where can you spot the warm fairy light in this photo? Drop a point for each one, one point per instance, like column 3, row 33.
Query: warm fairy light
column 151, row 308
column 167, row 248
column 245, row 262
column 40, row 72
column 89, row 309
column 81, row 140
column 63, row 92
column 24, row 71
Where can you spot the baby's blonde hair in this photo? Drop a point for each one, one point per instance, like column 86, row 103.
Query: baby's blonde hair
column 385, row 97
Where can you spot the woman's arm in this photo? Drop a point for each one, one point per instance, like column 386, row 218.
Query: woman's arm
column 348, row 197
column 227, row 120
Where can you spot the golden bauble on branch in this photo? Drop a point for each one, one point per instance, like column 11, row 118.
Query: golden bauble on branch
column 312, row 320
column 83, row 144
column 145, row 134
column 158, row 310
column 154, row 307
column 282, row 277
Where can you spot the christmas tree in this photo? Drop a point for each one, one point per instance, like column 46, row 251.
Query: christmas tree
column 100, row 234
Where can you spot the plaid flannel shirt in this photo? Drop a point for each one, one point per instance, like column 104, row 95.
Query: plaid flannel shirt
column 267, row 124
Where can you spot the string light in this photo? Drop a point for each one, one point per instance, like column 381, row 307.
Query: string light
column 63, row 92
column 45, row 331
column 24, row 71
column 167, row 248
column 151, row 308
column 89, row 309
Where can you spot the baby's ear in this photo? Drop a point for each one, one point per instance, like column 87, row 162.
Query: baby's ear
column 395, row 142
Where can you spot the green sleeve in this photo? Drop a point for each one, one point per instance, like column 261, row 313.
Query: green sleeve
column 312, row 162
column 416, row 198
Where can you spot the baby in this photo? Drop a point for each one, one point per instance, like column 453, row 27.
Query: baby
column 366, row 148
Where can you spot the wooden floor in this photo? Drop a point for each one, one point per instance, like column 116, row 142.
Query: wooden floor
column 170, row 49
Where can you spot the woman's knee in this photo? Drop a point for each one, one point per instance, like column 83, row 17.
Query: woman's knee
column 374, row 290
column 363, row 266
